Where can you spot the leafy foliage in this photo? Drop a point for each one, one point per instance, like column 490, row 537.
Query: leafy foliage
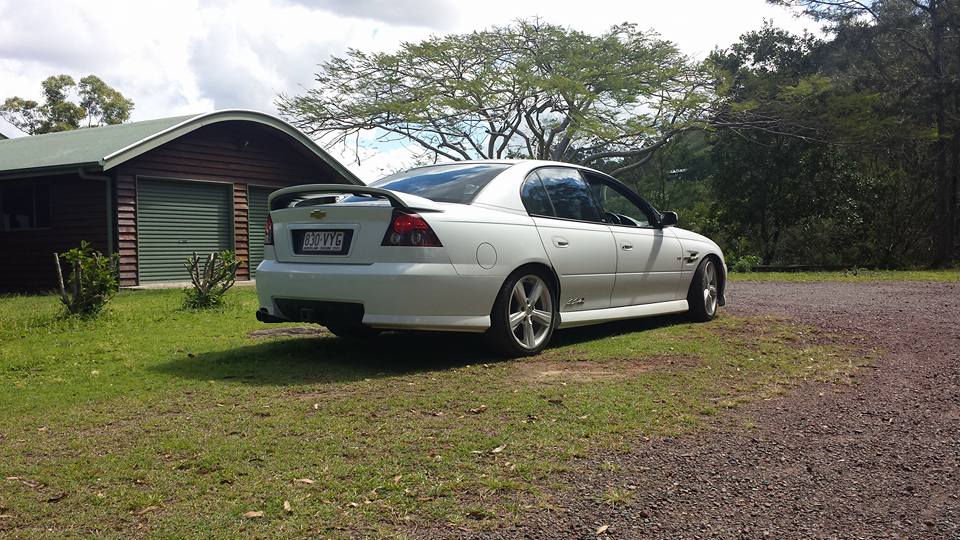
column 92, row 280
column 820, row 151
column 531, row 89
column 744, row 264
column 99, row 104
column 212, row 280
column 905, row 53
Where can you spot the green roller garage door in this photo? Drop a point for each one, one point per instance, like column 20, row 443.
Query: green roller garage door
column 174, row 219
column 257, row 199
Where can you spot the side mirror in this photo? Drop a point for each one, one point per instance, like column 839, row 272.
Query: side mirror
column 668, row 219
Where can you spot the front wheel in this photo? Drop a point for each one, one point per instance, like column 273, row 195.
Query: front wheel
column 524, row 315
column 704, row 293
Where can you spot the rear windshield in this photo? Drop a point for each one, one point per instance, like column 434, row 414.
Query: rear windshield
column 452, row 183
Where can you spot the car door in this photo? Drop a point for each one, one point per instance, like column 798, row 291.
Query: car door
column 649, row 261
column 580, row 246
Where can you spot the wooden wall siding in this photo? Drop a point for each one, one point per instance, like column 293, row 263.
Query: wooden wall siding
column 78, row 212
column 241, row 234
column 126, row 208
column 233, row 152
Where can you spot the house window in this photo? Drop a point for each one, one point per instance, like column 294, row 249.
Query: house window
column 24, row 207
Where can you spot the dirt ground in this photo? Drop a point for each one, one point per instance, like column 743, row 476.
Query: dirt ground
column 876, row 459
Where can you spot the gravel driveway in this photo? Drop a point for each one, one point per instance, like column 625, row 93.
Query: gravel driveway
column 878, row 459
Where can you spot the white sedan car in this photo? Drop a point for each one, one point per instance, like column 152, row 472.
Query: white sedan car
column 515, row 249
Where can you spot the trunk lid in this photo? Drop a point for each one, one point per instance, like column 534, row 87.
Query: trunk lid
column 337, row 224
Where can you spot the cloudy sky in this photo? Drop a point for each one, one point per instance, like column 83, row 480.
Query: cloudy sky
column 189, row 56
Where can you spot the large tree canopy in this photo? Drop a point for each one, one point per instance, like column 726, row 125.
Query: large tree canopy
column 98, row 105
column 531, row 90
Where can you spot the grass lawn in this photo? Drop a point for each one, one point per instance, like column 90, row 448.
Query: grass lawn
column 153, row 421
column 951, row 274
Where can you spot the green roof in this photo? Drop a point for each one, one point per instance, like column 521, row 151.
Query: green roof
column 85, row 146
column 102, row 148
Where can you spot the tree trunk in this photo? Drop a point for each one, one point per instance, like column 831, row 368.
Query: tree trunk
column 955, row 143
column 953, row 181
column 943, row 235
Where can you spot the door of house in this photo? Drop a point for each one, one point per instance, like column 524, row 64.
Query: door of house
column 176, row 218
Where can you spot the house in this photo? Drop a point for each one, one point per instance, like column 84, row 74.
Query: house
column 153, row 192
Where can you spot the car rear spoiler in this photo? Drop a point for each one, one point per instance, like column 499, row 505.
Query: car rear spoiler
column 403, row 201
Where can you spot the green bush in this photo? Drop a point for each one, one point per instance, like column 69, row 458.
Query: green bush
column 211, row 279
column 745, row 263
column 92, row 280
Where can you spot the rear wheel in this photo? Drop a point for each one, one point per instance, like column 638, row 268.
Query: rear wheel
column 524, row 315
column 704, row 293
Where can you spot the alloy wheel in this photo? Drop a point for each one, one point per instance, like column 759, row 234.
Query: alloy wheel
column 710, row 293
column 530, row 315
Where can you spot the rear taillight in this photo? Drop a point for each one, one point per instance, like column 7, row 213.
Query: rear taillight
column 409, row 230
column 268, row 232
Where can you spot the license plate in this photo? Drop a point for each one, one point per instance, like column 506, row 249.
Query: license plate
column 324, row 242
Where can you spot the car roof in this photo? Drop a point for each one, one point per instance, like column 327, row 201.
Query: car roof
column 532, row 163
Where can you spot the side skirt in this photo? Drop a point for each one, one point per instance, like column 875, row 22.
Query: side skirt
column 571, row 319
column 439, row 323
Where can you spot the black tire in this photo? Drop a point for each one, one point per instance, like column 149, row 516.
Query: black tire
column 502, row 337
column 352, row 331
column 704, row 294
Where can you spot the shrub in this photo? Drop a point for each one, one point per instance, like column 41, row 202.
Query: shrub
column 745, row 263
column 92, row 280
column 211, row 280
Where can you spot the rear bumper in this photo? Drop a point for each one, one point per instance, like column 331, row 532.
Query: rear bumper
column 417, row 296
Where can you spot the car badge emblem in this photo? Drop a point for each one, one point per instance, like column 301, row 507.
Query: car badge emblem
column 318, row 214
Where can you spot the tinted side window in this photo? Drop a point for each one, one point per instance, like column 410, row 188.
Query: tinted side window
column 569, row 193
column 618, row 208
column 618, row 205
column 534, row 197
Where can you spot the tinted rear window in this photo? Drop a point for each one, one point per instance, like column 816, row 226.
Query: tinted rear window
column 535, row 198
column 457, row 183
column 569, row 194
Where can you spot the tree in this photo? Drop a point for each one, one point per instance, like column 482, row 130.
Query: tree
column 531, row 89
column 99, row 104
column 103, row 104
column 912, row 52
column 776, row 168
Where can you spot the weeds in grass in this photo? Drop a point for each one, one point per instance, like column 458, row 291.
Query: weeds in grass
column 617, row 497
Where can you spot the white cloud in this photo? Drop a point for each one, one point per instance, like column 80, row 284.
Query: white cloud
column 250, row 51
column 426, row 13
column 697, row 26
column 139, row 48
column 189, row 56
